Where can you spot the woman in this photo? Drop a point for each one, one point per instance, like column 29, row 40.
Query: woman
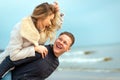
column 32, row 32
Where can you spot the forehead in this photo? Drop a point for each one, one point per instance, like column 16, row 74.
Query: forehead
column 66, row 38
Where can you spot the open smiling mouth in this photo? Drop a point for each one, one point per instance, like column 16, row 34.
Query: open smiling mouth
column 58, row 46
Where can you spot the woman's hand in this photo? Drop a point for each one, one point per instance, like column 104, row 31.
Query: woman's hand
column 42, row 50
column 56, row 6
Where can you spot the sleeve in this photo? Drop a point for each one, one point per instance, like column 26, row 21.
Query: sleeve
column 5, row 66
column 15, row 48
column 27, row 60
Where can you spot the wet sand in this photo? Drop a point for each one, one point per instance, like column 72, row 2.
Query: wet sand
column 82, row 75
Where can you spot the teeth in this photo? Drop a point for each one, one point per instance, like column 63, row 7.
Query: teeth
column 59, row 46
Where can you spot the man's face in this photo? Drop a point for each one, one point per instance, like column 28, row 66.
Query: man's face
column 62, row 44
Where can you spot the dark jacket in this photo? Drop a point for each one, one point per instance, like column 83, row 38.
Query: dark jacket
column 35, row 68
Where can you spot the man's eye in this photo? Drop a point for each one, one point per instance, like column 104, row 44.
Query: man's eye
column 65, row 43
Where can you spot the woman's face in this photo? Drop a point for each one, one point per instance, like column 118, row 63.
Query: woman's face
column 46, row 23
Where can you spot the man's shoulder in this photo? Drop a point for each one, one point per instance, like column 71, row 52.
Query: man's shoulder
column 49, row 46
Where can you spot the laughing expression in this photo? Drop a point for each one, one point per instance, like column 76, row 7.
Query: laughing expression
column 61, row 45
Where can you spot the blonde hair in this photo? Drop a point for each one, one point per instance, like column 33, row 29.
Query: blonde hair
column 42, row 11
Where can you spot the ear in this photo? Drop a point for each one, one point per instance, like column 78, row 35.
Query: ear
column 68, row 49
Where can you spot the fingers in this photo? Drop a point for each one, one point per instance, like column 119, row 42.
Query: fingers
column 56, row 6
column 42, row 50
column 56, row 3
column 44, row 53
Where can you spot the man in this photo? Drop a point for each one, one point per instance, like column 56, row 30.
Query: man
column 38, row 68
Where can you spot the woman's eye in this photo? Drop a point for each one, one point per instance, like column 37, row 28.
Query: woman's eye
column 51, row 21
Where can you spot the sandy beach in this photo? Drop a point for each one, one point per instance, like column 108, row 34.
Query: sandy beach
column 82, row 75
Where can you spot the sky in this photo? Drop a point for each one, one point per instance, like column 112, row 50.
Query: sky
column 93, row 22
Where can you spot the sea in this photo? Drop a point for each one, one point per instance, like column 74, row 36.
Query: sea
column 103, row 58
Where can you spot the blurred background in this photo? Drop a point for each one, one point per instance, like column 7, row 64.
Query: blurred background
column 95, row 24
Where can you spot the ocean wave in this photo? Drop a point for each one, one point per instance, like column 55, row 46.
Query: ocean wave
column 78, row 52
column 89, row 69
column 81, row 60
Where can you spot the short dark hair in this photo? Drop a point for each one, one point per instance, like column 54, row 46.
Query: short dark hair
column 70, row 35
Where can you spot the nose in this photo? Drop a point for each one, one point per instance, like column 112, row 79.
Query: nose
column 50, row 23
column 61, row 42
